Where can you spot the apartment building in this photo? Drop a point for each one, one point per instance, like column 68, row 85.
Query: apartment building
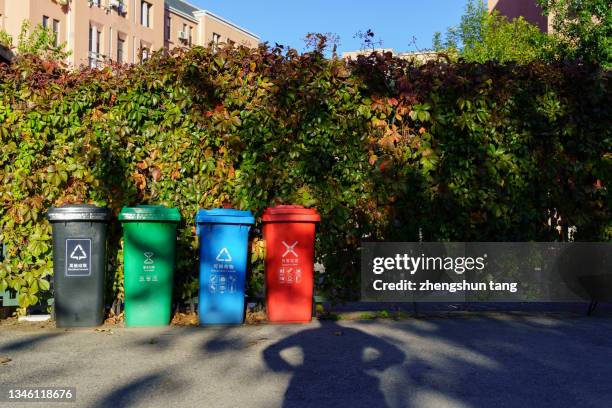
column 185, row 24
column 419, row 57
column 125, row 31
column 528, row 9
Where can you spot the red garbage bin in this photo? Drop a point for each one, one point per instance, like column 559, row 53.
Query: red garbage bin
column 289, row 232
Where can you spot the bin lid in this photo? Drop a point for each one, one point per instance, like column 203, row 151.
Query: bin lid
column 78, row 212
column 224, row 216
column 292, row 213
column 149, row 213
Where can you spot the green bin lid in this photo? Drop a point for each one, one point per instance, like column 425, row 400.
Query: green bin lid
column 149, row 213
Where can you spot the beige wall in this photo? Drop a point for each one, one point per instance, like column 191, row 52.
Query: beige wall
column 204, row 26
column 1, row 14
column 14, row 14
column 54, row 11
column 528, row 9
column 177, row 22
column 356, row 54
column 114, row 26
column 211, row 24
column 76, row 19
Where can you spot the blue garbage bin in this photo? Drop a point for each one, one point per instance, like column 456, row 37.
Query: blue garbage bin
column 224, row 238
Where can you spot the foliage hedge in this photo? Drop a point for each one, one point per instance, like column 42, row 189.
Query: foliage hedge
column 383, row 148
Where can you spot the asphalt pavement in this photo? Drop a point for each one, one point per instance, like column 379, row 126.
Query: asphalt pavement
column 473, row 360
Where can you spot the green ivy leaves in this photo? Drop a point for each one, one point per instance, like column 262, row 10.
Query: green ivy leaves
column 382, row 148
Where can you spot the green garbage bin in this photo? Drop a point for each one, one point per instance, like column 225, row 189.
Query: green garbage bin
column 149, row 243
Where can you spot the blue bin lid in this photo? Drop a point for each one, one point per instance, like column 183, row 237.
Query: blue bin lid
column 225, row 216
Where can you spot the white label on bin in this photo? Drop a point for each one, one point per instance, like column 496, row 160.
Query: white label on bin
column 231, row 284
column 289, row 273
column 148, row 263
column 289, row 249
column 222, row 283
column 149, row 258
column 212, row 284
column 148, row 268
column 222, row 274
column 78, row 257
column 224, row 256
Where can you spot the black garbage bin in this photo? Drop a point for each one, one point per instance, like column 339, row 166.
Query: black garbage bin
column 79, row 263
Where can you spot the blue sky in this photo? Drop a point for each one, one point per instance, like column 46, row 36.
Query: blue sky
column 395, row 22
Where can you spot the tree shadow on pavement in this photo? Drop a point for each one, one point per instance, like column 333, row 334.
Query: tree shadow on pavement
column 140, row 390
column 508, row 361
column 30, row 342
column 345, row 375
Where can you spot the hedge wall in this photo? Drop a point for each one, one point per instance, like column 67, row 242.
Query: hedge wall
column 382, row 148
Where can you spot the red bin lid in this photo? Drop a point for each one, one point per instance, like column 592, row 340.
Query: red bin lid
column 291, row 213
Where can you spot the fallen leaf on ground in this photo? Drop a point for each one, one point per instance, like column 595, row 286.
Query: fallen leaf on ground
column 255, row 342
column 185, row 319
column 109, row 331
column 255, row 317
column 4, row 360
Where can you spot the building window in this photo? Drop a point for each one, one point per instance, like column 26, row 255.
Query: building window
column 92, row 40
column 145, row 14
column 183, row 34
column 168, row 27
column 216, row 39
column 231, row 43
column 145, row 55
column 120, row 48
column 121, row 9
column 94, row 46
column 190, row 35
column 109, row 50
column 45, row 22
column 96, row 3
column 117, row 5
column 56, row 33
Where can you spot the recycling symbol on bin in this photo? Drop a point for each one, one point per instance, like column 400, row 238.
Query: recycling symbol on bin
column 149, row 258
column 224, row 256
column 78, row 253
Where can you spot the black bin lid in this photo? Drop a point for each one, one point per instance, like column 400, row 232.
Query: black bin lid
column 80, row 212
